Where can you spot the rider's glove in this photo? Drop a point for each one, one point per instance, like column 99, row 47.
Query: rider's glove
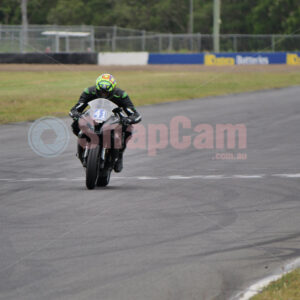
column 126, row 121
column 74, row 114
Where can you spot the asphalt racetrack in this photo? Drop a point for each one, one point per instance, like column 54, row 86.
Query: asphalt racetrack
column 179, row 225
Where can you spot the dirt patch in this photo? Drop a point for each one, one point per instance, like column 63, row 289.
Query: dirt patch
column 149, row 68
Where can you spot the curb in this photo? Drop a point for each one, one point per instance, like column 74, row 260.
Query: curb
column 257, row 287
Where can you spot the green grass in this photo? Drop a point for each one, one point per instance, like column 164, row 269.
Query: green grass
column 30, row 95
column 286, row 288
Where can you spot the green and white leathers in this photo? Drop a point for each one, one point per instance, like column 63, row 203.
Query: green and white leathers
column 106, row 88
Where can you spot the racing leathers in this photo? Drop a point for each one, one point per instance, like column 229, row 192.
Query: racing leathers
column 118, row 97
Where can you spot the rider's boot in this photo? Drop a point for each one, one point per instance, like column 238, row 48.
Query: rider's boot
column 119, row 163
column 79, row 154
column 81, row 145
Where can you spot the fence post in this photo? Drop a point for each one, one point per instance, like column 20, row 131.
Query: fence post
column 82, row 44
column 24, row 4
column 67, row 44
column 199, row 41
column 235, row 43
column 143, row 40
column 170, row 47
column 273, row 43
column 217, row 23
column 92, row 39
column 191, row 42
column 21, row 41
column 56, row 43
column 159, row 43
column 113, row 40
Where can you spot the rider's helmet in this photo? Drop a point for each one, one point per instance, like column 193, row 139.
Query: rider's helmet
column 106, row 83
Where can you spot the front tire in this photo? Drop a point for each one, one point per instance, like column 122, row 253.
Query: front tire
column 103, row 179
column 92, row 168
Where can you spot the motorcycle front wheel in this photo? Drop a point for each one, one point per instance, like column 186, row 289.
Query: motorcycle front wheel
column 92, row 168
column 103, row 178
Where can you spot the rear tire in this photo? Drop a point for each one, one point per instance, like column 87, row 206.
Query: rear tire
column 103, row 180
column 92, row 168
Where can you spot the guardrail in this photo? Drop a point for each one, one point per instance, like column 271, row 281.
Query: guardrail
column 50, row 58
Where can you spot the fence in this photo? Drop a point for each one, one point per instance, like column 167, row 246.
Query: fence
column 52, row 38
column 199, row 43
column 46, row 38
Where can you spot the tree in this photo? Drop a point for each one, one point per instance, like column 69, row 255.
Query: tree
column 238, row 16
column 10, row 12
column 38, row 10
column 292, row 23
column 171, row 16
column 270, row 16
column 68, row 13
column 151, row 15
column 203, row 16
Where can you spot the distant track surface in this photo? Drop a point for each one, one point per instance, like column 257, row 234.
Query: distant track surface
column 178, row 225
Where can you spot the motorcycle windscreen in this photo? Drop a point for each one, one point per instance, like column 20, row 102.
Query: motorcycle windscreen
column 101, row 110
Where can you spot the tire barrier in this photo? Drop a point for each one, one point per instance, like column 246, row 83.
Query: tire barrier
column 49, row 58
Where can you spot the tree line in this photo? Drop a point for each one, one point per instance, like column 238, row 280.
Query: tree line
column 237, row 16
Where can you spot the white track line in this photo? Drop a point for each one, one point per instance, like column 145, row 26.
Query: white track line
column 41, row 179
column 171, row 177
column 147, row 178
column 249, row 176
column 297, row 175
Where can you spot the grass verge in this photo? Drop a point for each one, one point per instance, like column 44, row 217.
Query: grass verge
column 26, row 95
column 285, row 288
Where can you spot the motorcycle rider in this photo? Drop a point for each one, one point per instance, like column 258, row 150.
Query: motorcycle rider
column 106, row 88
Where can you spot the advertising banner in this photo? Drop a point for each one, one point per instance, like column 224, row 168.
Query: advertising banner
column 293, row 59
column 187, row 59
column 224, row 59
column 229, row 59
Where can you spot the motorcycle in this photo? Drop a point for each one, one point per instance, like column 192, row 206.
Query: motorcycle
column 102, row 137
